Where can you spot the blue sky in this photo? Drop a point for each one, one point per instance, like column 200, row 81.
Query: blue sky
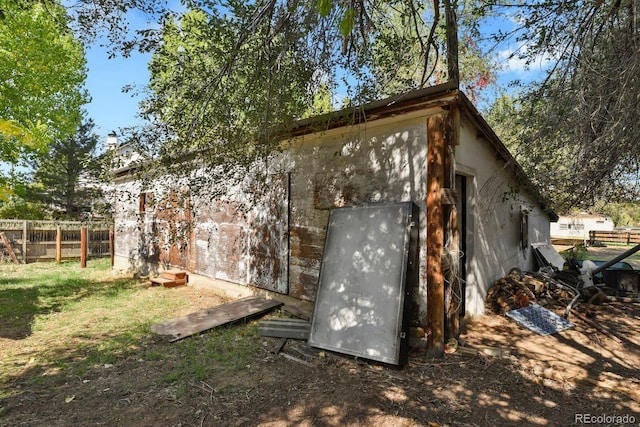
column 111, row 109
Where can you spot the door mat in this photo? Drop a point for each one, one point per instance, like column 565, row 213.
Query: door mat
column 539, row 320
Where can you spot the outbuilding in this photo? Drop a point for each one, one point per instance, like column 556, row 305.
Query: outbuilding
column 576, row 227
column 478, row 212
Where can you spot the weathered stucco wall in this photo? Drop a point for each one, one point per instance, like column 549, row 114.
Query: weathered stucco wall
column 277, row 242
column 128, row 256
column 380, row 162
column 151, row 227
column 383, row 161
column 494, row 214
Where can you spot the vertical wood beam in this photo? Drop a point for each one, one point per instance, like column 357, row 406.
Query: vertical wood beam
column 83, row 247
column 453, row 288
column 435, row 235
column 58, row 244
column 24, row 242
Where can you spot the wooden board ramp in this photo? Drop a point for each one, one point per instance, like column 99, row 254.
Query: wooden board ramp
column 200, row 321
column 7, row 245
column 285, row 328
column 171, row 279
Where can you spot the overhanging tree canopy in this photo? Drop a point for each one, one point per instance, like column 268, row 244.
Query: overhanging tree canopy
column 228, row 78
column 583, row 115
column 42, row 71
column 578, row 133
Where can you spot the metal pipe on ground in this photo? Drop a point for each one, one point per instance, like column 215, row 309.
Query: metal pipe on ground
column 619, row 258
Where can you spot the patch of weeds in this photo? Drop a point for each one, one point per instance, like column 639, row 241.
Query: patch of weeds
column 174, row 376
column 225, row 350
column 153, row 355
column 100, row 357
column 233, row 346
column 580, row 252
column 181, row 389
column 79, row 371
column 109, row 350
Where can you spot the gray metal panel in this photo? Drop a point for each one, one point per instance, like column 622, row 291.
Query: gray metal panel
column 361, row 293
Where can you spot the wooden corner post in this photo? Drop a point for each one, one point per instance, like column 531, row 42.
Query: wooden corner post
column 83, row 246
column 58, row 244
column 451, row 265
column 435, row 235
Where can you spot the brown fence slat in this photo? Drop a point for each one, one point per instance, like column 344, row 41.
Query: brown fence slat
column 628, row 237
column 39, row 240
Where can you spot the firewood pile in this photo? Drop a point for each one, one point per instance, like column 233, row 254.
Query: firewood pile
column 520, row 288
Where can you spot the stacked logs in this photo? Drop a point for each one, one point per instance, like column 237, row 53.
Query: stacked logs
column 519, row 289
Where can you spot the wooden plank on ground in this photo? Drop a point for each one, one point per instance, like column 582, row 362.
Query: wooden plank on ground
column 285, row 328
column 298, row 312
column 7, row 245
column 200, row 321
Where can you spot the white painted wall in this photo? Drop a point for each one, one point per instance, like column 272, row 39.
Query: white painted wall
column 126, row 219
column 381, row 161
column 578, row 226
column 493, row 218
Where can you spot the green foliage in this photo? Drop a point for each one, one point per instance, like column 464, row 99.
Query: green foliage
column 231, row 72
column 43, row 69
column 18, row 208
column 17, row 204
column 347, row 22
column 227, row 108
column 622, row 214
column 228, row 81
column 576, row 128
column 67, row 176
column 324, row 7
column 322, row 102
column 403, row 59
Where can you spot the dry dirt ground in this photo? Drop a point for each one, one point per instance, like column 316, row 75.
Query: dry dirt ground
column 562, row 379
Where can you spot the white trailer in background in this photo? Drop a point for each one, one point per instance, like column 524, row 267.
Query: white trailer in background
column 575, row 228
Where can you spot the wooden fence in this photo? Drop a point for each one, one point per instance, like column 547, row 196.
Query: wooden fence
column 33, row 241
column 628, row 237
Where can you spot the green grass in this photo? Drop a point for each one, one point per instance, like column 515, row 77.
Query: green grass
column 60, row 320
column 603, row 254
column 222, row 351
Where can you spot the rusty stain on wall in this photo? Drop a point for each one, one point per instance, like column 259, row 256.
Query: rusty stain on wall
column 275, row 239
